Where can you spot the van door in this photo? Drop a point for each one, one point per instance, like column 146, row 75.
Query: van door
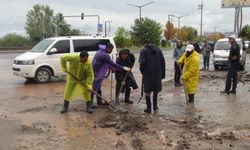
column 60, row 48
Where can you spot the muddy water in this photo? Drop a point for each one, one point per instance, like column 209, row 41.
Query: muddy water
column 29, row 116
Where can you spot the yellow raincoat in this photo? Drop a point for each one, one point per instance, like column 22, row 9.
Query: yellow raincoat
column 191, row 71
column 83, row 72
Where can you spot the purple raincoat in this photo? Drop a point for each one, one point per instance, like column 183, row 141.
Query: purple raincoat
column 101, row 63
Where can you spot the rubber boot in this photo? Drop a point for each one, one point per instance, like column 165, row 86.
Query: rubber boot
column 127, row 95
column 155, row 95
column 148, row 102
column 99, row 99
column 65, row 106
column 89, row 107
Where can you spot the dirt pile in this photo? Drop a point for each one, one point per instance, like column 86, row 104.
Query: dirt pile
column 124, row 122
column 244, row 76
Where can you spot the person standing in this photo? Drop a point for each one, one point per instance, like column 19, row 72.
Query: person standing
column 190, row 77
column 206, row 50
column 178, row 52
column 101, row 63
column 80, row 78
column 125, row 80
column 152, row 68
column 234, row 63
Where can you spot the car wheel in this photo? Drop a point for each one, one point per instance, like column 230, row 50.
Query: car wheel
column 107, row 73
column 43, row 75
column 216, row 67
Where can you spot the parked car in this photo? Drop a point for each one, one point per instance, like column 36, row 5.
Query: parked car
column 43, row 61
column 221, row 53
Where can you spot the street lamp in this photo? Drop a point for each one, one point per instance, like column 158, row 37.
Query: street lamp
column 179, row 22
column 140, row 6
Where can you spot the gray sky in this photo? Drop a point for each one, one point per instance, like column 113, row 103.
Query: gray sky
column 13, row 13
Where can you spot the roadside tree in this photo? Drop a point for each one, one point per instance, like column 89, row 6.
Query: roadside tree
column 188, row 33
column 122, row 38
column 169, row 32
column 245, row 32
column 145, row 29
column 40, row 22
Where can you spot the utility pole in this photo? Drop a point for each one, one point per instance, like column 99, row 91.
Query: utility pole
column 200, row 6
column 140, row 6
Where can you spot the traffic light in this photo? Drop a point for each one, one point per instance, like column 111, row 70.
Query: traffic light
column 82, row 16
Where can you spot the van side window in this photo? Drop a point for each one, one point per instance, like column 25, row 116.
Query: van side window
column 62, row 47
column 88, row 44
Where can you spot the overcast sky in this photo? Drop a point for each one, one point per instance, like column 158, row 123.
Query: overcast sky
column 13, row 13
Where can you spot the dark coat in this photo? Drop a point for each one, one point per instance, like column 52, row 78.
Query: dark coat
column 120, row 75
column 152, row 67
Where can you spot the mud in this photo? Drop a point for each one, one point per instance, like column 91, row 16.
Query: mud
column 30, row 116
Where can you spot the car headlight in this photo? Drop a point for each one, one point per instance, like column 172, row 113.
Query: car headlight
column 27, row 62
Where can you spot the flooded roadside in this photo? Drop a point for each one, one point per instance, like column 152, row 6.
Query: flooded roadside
column 30, row 118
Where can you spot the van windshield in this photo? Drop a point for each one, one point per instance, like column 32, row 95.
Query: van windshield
column 224, row 45
column 42, row 46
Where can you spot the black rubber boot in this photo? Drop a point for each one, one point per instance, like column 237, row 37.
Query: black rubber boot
column 148, row 102
column 65, row 107
column 155, row 95
column 127, row 95
column 99, row 99
column 191, row 98
column 89, row 107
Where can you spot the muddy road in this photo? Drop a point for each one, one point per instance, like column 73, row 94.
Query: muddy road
column 30, row 118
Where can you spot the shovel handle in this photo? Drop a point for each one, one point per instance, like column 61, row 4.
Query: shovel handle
column 103, row 99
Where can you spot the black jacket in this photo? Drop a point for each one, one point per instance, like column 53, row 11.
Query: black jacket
column 234, row 52
column 120, row 75
column 152, row 67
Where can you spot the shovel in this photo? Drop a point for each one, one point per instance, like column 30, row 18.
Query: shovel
column 92, row 91
column 184, row 85
column 123, row 83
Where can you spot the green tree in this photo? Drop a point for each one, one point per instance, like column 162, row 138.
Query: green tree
column 62, row 28
column 245, row 32
column 188, row 33
column 40, row 22
column 145, row 29
column 74, row 32
column 122, row 38
column 14, row 40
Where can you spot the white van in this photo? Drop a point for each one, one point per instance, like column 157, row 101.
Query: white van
column 221, row 53
column 43, row 61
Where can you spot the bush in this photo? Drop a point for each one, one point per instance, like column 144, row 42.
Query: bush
column 14, row 40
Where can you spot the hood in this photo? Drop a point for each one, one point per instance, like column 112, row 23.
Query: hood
column 102, row 47
column 28, row 56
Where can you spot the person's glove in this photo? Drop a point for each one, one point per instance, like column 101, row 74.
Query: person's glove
column 127, row 68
